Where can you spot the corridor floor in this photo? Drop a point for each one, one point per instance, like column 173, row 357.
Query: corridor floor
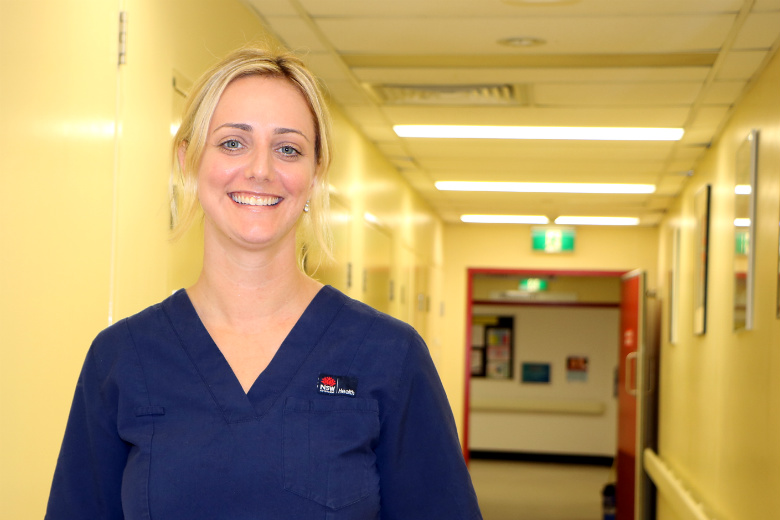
column 509, row 490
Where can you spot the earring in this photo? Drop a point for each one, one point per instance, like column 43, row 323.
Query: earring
column 306, row 207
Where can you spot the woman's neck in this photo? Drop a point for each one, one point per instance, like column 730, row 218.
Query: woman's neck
column 247, row 289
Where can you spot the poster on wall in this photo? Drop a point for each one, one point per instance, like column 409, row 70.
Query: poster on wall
column 536, row 373
column 498, row 352
column 577, row 368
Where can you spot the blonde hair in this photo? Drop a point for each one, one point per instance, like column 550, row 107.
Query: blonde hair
column 313, row 228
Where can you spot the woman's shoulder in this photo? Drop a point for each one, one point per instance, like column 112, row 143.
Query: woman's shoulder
column 382, row 341
column 380, row 322
column 120, row 335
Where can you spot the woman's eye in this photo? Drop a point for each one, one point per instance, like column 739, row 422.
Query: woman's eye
column 231, row 144
column 288, row 150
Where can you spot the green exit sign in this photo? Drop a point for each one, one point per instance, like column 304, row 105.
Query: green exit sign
column 532, row 285
column 552, row 239
column 742, row 245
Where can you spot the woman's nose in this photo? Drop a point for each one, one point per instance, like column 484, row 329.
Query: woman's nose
column 260, row 165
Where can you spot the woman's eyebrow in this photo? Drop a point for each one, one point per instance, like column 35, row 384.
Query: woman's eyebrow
column 239, row 126
column 278, row 131
column 248, row 128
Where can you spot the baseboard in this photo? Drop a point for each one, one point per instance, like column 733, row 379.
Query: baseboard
column 556, row 458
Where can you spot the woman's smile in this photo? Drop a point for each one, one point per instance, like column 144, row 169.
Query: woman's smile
column 255, row 200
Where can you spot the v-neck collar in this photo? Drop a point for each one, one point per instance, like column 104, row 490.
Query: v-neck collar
column 215, row 371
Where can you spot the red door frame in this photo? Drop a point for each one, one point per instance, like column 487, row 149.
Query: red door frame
column 630, row 438
column 471, row 271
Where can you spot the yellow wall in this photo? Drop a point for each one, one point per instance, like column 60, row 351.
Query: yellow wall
column 57, row 106
column 720, row 393
column 83, row 200
column 509, row 247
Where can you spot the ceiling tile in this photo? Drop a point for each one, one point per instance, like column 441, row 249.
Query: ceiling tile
column 617, row 94
column 723, row 92
column 325, row 66
column 741, row 64
column 766, row 5
column 685, row 153
column 709, row 116
column 366, row 115
column 412, row 35
column 758, row 32
column 347, row 93
column 296, row 34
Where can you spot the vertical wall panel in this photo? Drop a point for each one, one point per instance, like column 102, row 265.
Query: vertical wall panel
column 58, row 79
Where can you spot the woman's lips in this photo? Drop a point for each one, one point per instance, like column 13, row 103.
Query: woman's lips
column 255, row 200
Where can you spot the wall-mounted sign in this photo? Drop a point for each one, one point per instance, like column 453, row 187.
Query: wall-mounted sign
column 536, row 373
column 577, row 368
column 552, row 239
column 533, row 284
column 742, row 242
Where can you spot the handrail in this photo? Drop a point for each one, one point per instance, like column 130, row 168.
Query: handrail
column 538, row 406
column 673, row 489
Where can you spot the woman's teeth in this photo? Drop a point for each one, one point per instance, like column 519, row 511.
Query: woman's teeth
column 251, row 200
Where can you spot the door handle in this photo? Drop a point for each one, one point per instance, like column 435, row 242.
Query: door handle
column 629, row 382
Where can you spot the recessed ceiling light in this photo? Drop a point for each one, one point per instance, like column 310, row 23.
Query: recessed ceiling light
column 545, row 187
column 598, row 221
column 521, row 41
column 504, row 219
column 581, row 133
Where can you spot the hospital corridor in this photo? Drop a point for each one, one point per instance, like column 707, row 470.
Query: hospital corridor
column 513, row 490
column 572, row 205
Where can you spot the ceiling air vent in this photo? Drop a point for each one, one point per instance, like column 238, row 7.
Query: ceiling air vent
column 447, row 94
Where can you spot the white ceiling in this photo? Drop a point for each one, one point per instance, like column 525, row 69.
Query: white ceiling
column 636, row 63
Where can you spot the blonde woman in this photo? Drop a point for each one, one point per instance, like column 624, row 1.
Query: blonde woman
column 257, row 393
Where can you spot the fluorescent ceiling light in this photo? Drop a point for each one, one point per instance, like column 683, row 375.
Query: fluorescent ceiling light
column 742, row 189
column 742, row 222
column 505, row 219
column 545, row 187
column 539, row 132
column 598, row 221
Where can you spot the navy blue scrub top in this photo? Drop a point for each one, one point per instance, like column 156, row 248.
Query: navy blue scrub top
column 348, row 421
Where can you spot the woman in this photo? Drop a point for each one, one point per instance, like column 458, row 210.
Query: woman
column 257, row 393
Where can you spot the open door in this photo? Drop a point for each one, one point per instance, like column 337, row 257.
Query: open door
column 636, row 395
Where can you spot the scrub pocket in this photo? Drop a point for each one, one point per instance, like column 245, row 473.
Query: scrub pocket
column 327, row 449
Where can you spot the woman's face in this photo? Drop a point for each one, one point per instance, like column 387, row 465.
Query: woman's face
column 258, row 165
